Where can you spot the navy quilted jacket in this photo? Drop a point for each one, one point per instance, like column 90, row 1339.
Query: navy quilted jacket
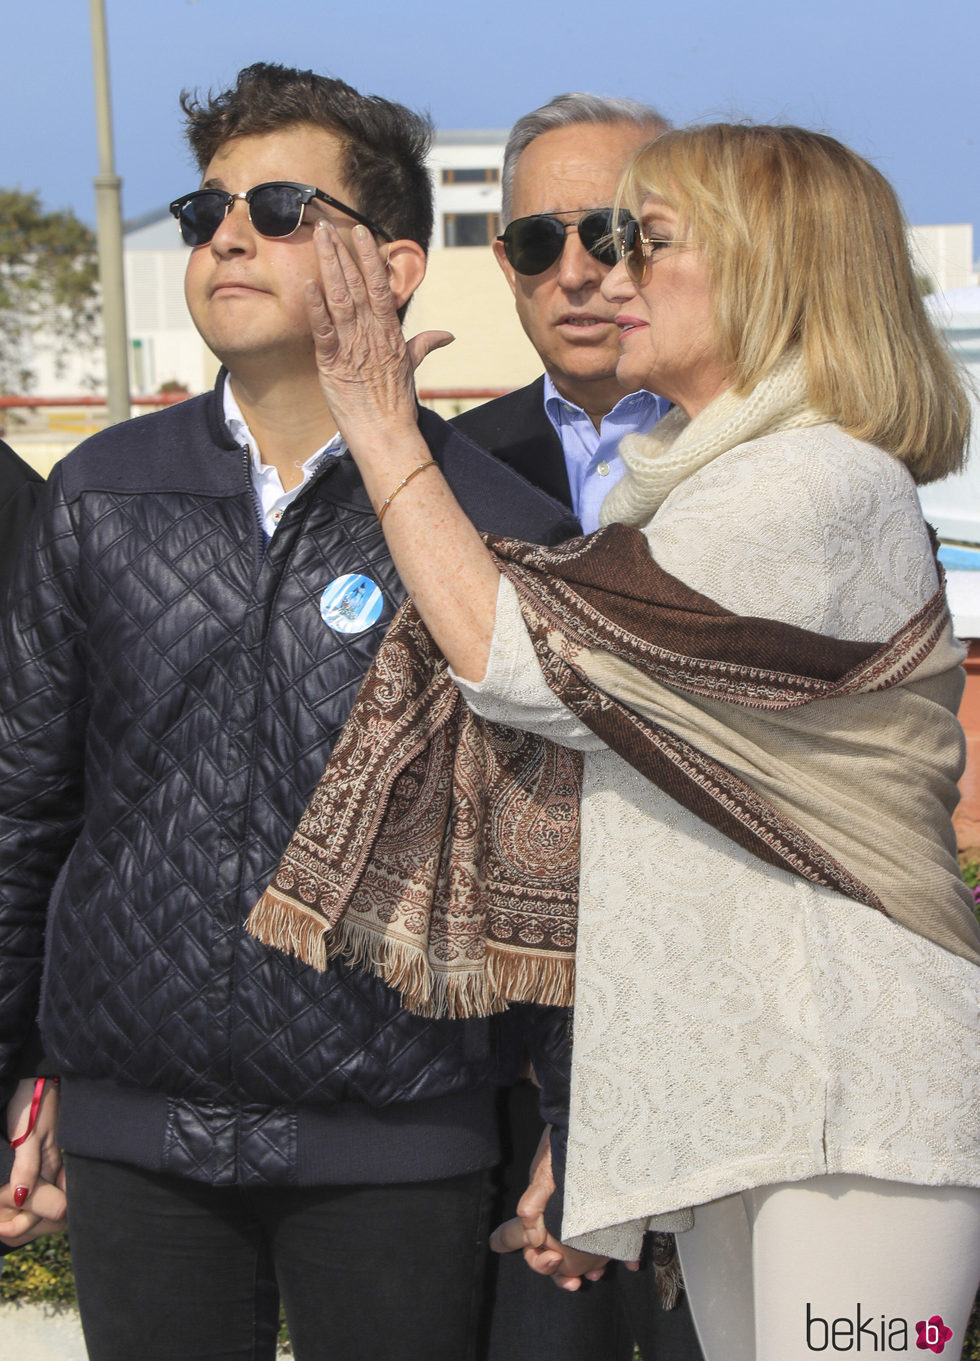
column 170, row 696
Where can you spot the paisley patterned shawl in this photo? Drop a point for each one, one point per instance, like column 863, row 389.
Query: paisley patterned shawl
column 441, row 851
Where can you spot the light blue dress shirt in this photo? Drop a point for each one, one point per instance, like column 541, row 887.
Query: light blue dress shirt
column 591, row 456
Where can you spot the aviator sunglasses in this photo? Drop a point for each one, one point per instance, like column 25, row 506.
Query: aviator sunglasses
column 533, row 244
column 275, row 209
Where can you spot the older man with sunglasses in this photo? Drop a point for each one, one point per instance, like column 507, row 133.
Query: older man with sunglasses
column 562, row 165
column 204, row 591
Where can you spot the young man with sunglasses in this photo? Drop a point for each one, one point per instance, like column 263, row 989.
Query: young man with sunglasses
column 205, row 590
column 562, row 165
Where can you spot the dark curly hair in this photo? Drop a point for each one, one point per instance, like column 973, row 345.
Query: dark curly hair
column 384, row 145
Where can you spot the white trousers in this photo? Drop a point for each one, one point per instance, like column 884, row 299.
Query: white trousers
column 837, row 1264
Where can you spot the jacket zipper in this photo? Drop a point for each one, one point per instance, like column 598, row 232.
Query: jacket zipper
column 259, row 526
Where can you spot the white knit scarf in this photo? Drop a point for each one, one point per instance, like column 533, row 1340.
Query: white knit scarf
column 677, row 447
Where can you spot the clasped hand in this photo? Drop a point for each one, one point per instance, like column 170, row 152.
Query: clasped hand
column 33, row 1201
column 528, row 1233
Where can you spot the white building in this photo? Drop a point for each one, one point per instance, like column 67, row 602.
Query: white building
column 953, row 505
column 466, row 169
column 164, row 346
column 944, row 255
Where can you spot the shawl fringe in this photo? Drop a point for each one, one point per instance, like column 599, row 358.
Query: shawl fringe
column 667, row 1269
column 509, row 974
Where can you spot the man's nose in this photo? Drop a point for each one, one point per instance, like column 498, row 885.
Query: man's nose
column 235, row 231
column 576, row 267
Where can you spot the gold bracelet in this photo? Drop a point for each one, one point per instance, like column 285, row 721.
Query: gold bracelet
column 430, row 463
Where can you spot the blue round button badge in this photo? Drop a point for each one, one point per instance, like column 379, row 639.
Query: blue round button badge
column 351, row 603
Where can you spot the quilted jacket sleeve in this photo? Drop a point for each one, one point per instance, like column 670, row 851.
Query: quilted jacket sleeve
column 42, row 733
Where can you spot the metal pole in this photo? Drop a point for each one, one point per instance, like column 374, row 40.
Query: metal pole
column 108, row 230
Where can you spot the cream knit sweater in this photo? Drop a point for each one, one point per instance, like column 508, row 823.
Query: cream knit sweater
column 736, row 1026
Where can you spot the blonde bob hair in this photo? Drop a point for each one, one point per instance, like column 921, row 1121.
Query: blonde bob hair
column 806, row 244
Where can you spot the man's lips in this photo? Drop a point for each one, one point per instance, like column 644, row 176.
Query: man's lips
column 231, row 286
column 583, row 321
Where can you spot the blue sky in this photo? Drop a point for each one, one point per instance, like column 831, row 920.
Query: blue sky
column 896, row 81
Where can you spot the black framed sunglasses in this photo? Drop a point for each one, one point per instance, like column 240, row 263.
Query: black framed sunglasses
column 533, row 244
column 275, row 209
column 636, row 250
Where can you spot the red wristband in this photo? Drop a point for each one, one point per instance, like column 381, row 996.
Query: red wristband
column 35, row 1107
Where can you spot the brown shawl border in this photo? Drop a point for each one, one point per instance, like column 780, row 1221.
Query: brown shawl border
column 689, row 623
column 684, row 639
column 441, row 851
column 701, row 784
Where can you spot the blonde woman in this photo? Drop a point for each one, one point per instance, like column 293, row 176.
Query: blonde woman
column 776, row 979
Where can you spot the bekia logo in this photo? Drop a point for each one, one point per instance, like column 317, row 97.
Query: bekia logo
column 933, row 1334
column 872, row 1333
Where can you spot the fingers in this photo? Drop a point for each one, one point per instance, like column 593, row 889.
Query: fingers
column 508, row 1237
column 349, row 280
column 424, row 343
column 373, row 270
column 584, row 1263
column 14, row 1236
column 24, row 1174
column 351, row 307
column 39, row 1155
column 339, row 275
column 43, row 1211
column 532, row 1205
column 329, row 301
column 545, row 1258
column 324, row 332
column 545, row 1255
column 27, row 1158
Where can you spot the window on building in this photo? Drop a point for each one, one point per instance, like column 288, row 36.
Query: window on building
column 472, row 175
column 470, row 229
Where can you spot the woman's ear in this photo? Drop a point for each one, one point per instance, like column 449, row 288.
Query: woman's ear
column 405, row 262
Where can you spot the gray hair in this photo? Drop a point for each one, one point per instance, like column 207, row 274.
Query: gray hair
column 566, row 111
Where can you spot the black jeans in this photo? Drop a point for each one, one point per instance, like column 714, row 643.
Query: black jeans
column 174, row 1270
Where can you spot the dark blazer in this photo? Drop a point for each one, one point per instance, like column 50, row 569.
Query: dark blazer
column 20, row 487
column 516, row 430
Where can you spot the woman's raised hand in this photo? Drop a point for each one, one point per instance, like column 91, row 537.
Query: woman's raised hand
column 366, row 372
column 366, row 368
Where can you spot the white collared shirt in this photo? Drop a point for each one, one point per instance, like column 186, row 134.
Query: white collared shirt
column 272, row 497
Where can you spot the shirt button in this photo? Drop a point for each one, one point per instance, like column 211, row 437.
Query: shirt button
column 602, row 469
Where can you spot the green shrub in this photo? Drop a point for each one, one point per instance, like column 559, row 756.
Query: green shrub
column 39, row 1273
